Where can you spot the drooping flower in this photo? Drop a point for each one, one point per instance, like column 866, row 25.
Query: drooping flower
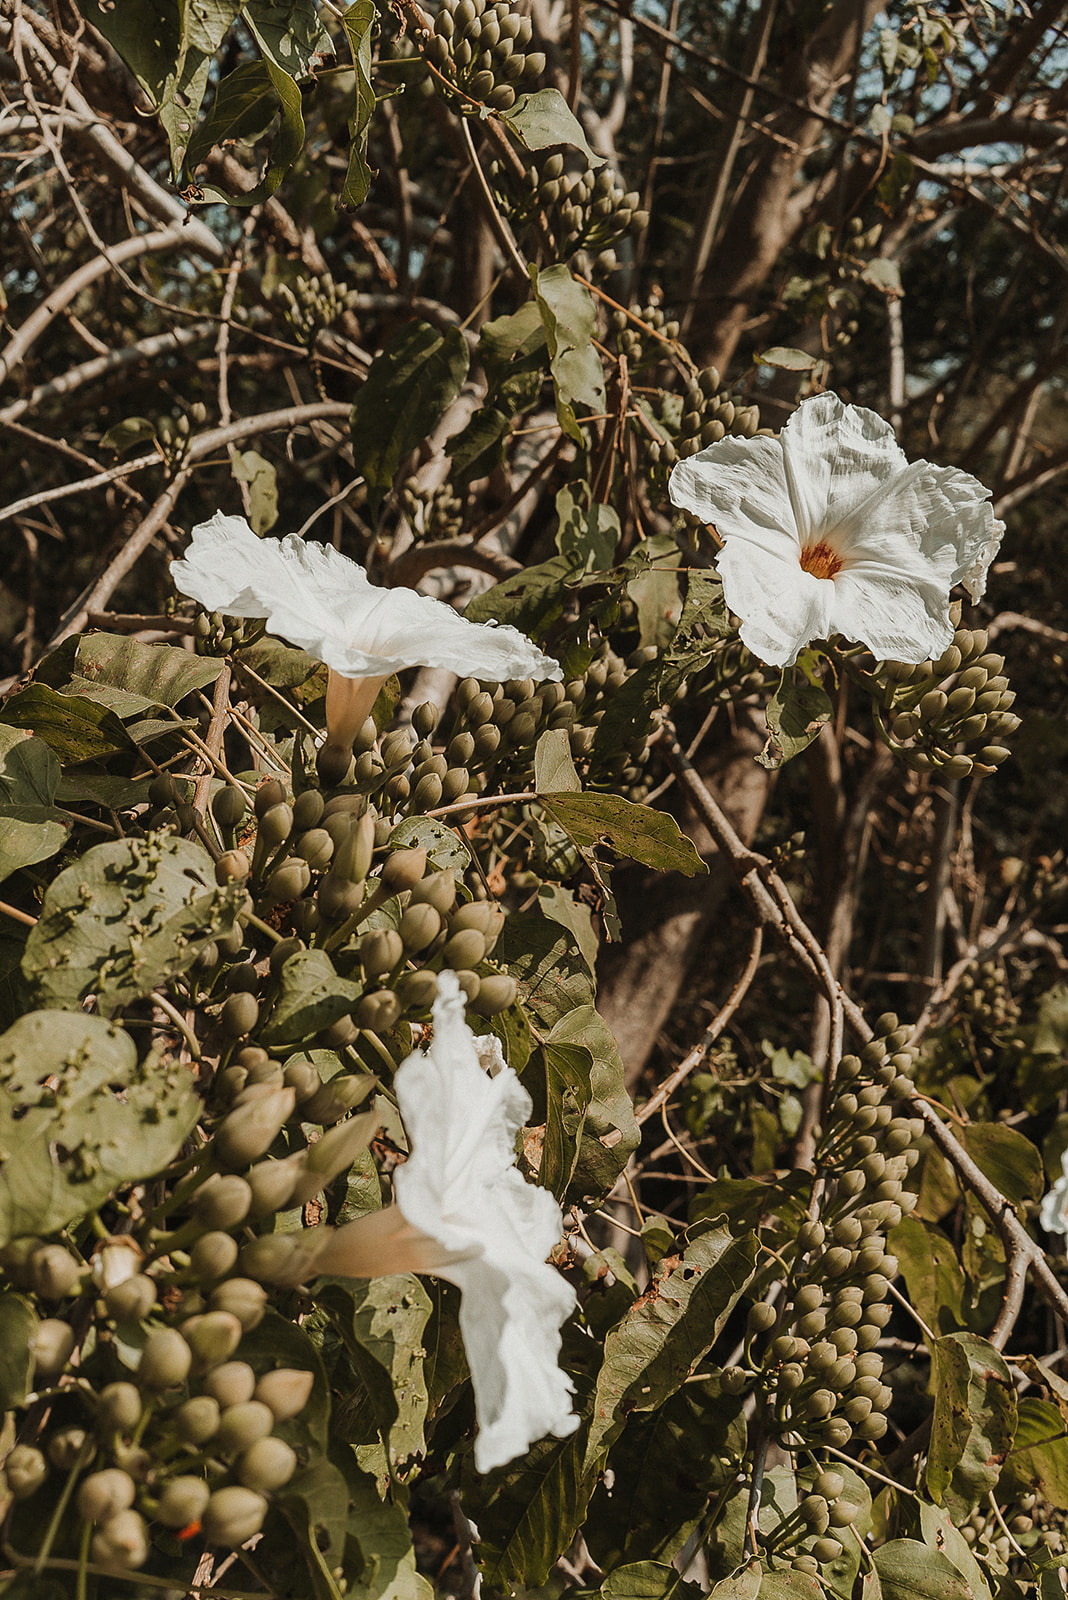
column 326, row 604
column 464, row 1213
column 829, row 529
column 1053, row 1212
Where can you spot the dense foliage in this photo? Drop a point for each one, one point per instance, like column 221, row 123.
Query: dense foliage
column 776, row 954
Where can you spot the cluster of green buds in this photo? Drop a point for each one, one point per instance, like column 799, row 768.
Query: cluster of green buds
column 173, row 434
column 216, row 635
column 162, row 1430
column 993, row 1535
column 709, row 414
column 585, row 211
column 314, row 303
column 929, row 714
column 436, row 513
column 641, row 335
column 812, row 1350
column 481, row 51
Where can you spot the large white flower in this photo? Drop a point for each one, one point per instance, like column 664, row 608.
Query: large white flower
column 464, row 1213
column 1053, row 1213
column 828, row 529
column 326, row 604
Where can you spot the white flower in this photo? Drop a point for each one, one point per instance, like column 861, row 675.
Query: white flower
column 1053, row 1213
column 828, row 529
column 464, row 1213
column 326, row 604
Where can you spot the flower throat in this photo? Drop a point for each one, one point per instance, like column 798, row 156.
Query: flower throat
column 821, row 560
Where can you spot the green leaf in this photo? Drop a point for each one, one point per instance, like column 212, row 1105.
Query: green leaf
column 382, row 1321
column 544, row 119
column 974, row 1422
column 29, row 772
column 160, row 674
column 909, row 1570
column 109, row 1120
column 124, row 918
column 379, row 1532
column 1051, row 1029
column 1039, row 1456
column 29, row 834
column 655, row 592
column 248, row 466
column 611, row 1133
column 278, row 1342
column 124, row 434
column 290, row 33
column 407, row 391
column 569, row 317
column 358, row 21
column 796, row 713
column 587, row 535
column 312, row 997
column 534, row 1513
column 529, row 601
column 940, row 1532
column 932, row 1274
column 562, row 1099
column 554, row 770
column 786, row 1585
column 636, row 831
column 665, row 1466
column 1007, row 1158
column 546, row 963
column 76, row 729
column 783, row 356
column 659, row 1342
column 18, row 1324
column 443, row 845
column 247, row 104
column 648, row 1580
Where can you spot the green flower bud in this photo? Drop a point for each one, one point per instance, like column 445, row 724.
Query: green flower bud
column 820, row 1403
column 132, row 1299
column 239, row 1015
column 419, row 927
column 165, row 1360
column 222, row 1202
column 102, row 1494
column 836, row 1261
column 182, row 1502
column 286, row 1391
column 247, row 1132
column 403, row 869
column 196, row 1421
column 437, row 889
column 272, row 1184
column 54, row 1273
column 812, row 1324
column 379, row 1011
column 383, row 948
column 241, row 1425
column 119, row 1408
column 826, row 1550
column 65, row 1448
column 872, row 1427
column 232, row 866
column 843, row 1514
column 51, row 1347
column 276, row 824
column 338, row 898
column 212, row 1337
column 271, row 793
column 810, row 1236
column 121, row 1543
column 232, row 1383
column 288, row 881
column 335, row 1098
column 761, row 1318
column 243, row 1299
column 232, row 1515
column 266, row 1465
column 813, row 1511
column 495, row 994
column 417, row 990
column 25, row 1469
column 464, row 950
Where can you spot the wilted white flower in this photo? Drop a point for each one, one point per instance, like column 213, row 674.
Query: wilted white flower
column 326, row 604
column 464, row 1213
column 829, row 529
column 1053, row 1213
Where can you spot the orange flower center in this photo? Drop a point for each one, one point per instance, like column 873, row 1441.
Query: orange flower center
column 821, row 560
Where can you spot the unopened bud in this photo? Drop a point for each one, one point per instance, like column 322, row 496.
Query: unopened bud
column 222, row 1201
column 231, row 1384
column 247, row 1132
column 242, row 1299
column 286, row 1391
column 102, row 1494
column 25, row 1470
column 197, row 1420
column 120, row 1407
column 54, row 1272
column 182, row 1502
column 266, row 1465
column 121, row 1543
column 165, row 1360
column 232, row 1515
column 51, row 1346
column 241, row 1425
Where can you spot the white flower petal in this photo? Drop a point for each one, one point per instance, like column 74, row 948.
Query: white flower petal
column 325, row 604
column 460, row 1188
column 1053, row 1213
column 892, row 538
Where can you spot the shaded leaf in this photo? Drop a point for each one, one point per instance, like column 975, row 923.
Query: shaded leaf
column 381, row 1322
column 974, row 1422
column 941, row 1533
column 668, row 1330
column 544, row 119
column 545, row 961
column 932, row 1274
column 76, row 729
column 530, row 600
column 29, row 772
column 909, row 1570
column 161, row 674
column 18, row 1324
column 1039, row 1456
column 106, row 1121
column 534, row 1513
column 636, row 831
column 124, row 434
column 312, row 996
column 407, row 391
column 124, row 918
column 795, row 714
column 569, row 318
column 611, row 1132
column 29, row 834
column 290, row 33
column 561, row 1101
column 1007, row 1158
column 358, row 20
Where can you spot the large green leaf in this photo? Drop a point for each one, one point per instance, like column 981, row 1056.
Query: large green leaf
column 75, row 728
column 358, row 21
column 570, row 319
column 407, row 391
column 18, row 1324
column 909, row 1570
column 544, row 119
column 161, row 673
column 534, row 1508
column 29, row 834
column 381, row 1322
column 380, row 1537
column 109, row 1120
column 610, row 1133
column 652, row 1352
column 312, row 996
column 931, row 1272
column 795, row 714
column 290, row 33
column 284, row 149
column 1007, row 1158
column 637, row 831
column 29, row 772
column 545, row 960
column 561, row 1097
column 124, row 918
column 1039, row 1456
column 244, row 107
column 529, row 601
column 940, row 1531
column 974, row 1422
